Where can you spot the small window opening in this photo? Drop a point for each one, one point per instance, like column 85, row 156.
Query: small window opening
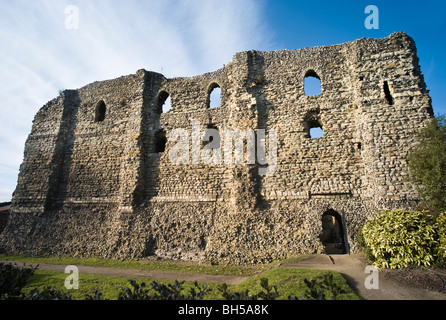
column 164, row 102
column 312, row 84
column 313, row 124
column 316, row 132
column 214, row 96
column 160, row 141
column 100, row 111
column 389, row 97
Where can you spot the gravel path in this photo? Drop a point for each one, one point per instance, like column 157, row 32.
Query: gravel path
column 391, row 285
column 136, row 273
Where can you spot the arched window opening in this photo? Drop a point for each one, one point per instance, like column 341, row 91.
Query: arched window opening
column 214, row 98
column 387, row 93
column 332, row 236
column 312, row 84
column 164, row 102
column 100, row 111
column 160, row 141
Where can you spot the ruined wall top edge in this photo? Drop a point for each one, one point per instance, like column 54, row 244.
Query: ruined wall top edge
column 369, row 45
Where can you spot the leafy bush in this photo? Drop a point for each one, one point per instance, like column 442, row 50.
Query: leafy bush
column 427, row 164
column 47, row 293
column 97, row 296
column 441, row 226
column 268, row 292
column 12, row 280
column 317, row 291
column 401, row 238
column 162, row 292
column 368, row 254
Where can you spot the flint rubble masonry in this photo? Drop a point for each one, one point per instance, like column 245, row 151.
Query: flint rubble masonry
column 96, row 179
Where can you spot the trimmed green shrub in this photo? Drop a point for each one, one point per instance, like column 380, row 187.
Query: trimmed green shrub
column 317, row 290
column 368, row 254
column 12, row 280
column 268, row 292
column 162, row 292
column 441, row 226
column 401, row 238
column 427, row 170
column 427, row 164
column 47, row 293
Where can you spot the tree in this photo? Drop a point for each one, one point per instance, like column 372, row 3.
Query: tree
column 427, row 164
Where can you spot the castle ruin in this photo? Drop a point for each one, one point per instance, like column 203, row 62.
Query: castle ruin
column 97, row 178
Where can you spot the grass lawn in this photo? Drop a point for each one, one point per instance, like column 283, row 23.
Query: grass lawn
column 289, row 282
column 88, row 284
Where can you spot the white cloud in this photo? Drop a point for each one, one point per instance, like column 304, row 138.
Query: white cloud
column 114, row 38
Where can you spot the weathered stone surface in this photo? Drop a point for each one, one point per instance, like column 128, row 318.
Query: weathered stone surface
column 96, row 182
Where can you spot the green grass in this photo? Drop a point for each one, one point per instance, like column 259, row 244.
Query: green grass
column 288, row 281
column 88, row 284
column 109, row 286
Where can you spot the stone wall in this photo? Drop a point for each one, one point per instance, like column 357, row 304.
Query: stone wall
column 98, row 177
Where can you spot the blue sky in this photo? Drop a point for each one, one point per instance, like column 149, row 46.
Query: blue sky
column 41, row 54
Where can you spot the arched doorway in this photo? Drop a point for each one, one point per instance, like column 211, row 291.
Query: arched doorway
column 100, row 111
column 332, row 236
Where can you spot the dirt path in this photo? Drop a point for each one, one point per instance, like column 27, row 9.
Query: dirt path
column 136, row 273
column 393, row 284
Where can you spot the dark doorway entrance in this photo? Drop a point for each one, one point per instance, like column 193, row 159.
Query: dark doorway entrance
column 332, row 236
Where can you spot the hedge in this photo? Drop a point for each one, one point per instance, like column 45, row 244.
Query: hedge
column 399, row 238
